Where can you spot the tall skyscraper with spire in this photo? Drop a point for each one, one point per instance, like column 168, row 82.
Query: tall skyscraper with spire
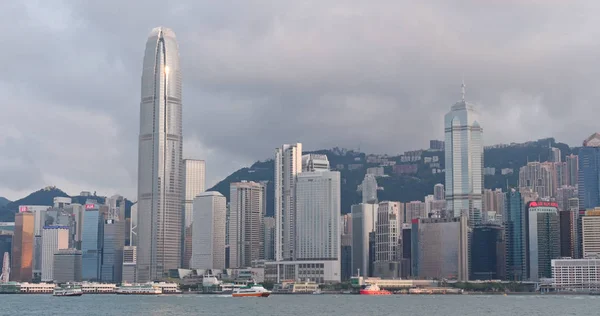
column 160, row 172
column 464, row 160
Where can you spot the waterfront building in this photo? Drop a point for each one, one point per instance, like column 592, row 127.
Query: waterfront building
column 248, row 209
column 543, row 237
column 194, row 184
column 67, row 266
column 91, row 243
column 318, row 207
column 22, row 247
column 288, row 163
column 440, row 248
column 589, row 173
column 488, row 253
column 388, row 235
column 160, row 171
column 590, row 229
column 39, row 213
column 208, row 231
column 364, row 219
column 464, row 160
column 318, row 271
column 129, row 264
column 54, row 238
column 112, row 251
column 37, row 288
column 515, row 237
column 576, row 274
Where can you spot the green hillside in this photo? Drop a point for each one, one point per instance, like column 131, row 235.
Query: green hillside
column 3, row 201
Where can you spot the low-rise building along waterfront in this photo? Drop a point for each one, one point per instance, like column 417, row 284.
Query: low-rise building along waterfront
column 576, row 274
column 319, row 271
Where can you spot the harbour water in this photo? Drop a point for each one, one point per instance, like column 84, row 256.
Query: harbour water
column 302, row 305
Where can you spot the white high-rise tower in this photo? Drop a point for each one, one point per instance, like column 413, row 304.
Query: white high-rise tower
column 288, row 163
column 464, row 160
column 160, row 159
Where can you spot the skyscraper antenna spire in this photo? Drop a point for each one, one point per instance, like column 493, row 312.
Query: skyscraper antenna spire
column 463, row 88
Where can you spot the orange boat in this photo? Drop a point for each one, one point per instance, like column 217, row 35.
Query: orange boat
column 255, row 290
column 373, row 289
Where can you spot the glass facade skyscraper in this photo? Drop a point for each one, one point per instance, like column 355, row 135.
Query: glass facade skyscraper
column 543, row 238
column 112, row 251
column 464, row 161
column 91, row 243
column 160, row 170
column 487, row 252
column 589, row 173
column 515, row 236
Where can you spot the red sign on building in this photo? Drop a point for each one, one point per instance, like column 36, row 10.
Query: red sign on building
column 543, row 204
column 90, row 206
column 22, row 209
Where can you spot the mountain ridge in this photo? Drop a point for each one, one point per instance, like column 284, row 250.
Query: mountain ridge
column 353, row 164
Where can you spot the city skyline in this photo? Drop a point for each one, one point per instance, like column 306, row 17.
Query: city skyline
column 110, row 63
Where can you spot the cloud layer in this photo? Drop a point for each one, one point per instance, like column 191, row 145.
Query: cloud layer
column 375, row 74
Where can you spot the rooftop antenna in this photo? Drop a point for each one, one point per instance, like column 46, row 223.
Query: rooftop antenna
column 463, row 88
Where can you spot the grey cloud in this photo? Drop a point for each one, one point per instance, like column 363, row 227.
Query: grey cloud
column 375, row 74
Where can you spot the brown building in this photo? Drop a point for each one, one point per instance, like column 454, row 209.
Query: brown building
column 22, row 248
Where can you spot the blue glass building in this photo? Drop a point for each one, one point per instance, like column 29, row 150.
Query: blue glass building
column 515, row 237
column 589, row 173
column 112, row 251
column 91, row 242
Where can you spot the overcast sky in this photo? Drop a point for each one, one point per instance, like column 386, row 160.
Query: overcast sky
column 376, row 74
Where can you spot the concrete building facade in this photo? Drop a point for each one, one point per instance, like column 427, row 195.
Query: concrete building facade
column 208, row 231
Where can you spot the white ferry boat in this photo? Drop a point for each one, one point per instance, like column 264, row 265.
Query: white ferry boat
column 138, row 289
column 68, row 290
column 255, row 290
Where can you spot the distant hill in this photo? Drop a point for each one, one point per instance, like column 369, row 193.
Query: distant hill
column 43, row 196
column 3, row 201
column 404, row 187
column 394, row 186
column 46, row 196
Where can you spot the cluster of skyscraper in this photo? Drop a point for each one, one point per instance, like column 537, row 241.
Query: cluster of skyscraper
column 307, row 207
column 70, row 241
column 464, row 231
